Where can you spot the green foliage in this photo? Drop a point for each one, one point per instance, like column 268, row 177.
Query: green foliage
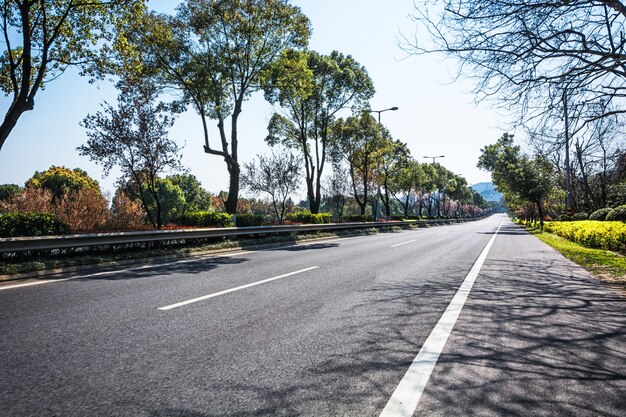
column 309, row 218
column 196, row 197
column 600, row 214
column 580, row 216
column 61, row 181
column 609, row 235
column 7, row 191
column 519, row 177
column 249, row 220
column 355, row 218
column 169, row 196
column 617, row 214
column 604, row 263
column 311, row 88
column 31, row 224
column 563, row 218
column 215, row 53
column 44, row 38
column 616, row 195
column 205, row 219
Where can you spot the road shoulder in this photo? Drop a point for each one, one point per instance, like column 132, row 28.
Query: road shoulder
column 538, row 336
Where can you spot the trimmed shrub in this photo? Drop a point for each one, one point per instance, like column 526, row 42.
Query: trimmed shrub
column 205, row 219
column 249, row 220
column 309, row 218
column 580, row 216
column 31, row 224
column 604, row 235
column 358, row 218
column 617, row 214
column 563, row 218
column 600, row 214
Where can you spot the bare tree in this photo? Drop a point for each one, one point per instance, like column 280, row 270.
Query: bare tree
column 337, row 188
column 524, row 54
column 276, row 175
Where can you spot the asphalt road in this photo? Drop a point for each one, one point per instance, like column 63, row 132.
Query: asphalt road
column 322, row 329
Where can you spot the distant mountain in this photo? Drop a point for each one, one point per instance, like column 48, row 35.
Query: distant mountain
column 488, row 191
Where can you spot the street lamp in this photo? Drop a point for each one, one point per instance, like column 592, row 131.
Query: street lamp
column 394, row 108
column 434, row 157
column 381, row 111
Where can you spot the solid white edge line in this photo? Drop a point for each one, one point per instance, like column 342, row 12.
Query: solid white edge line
column 120, row 271
column 241, row 287
column 403, row 243
column 404, row 400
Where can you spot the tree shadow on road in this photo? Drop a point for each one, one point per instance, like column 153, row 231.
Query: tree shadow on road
column 534, row 339
column 183, row 267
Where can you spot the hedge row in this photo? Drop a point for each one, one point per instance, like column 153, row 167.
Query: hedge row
column 31, row 224
column 309, row 218
column 356, row 218
column 249, row 220
column 604, row 235
column 608, row 214
column 204, row 219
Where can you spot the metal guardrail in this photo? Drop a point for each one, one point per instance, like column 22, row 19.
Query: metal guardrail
column 40, row 243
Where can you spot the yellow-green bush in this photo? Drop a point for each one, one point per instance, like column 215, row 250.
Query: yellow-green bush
column 594, row 234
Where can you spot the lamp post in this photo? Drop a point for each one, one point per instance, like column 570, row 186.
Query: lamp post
column 434, row 157
column 568, row 176
column 394, row 108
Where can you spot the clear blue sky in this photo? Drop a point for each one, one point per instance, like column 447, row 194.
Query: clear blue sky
column 435, row 117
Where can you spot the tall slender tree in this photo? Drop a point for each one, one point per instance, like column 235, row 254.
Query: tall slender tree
column 310, row 89
column 214, row 52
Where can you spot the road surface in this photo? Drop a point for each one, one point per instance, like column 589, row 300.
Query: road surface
column 327, row 328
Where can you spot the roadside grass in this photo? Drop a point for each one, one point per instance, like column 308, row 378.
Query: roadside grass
column 606, row 265
column 13, row 266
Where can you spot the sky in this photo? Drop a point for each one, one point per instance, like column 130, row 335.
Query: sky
column 435, row 116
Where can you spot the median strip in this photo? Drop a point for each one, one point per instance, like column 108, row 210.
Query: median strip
column 405, row 398
column 118, row 271
column 241, row 287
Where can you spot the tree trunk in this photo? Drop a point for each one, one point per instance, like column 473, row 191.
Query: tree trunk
column 385, row 198
column 233, row 187
column 10, row 120
column 540, row 211
column 406, row 205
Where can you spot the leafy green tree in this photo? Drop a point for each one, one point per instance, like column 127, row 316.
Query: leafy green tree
column 134, row 137
column 518, row 176
column 214, row 52
column 196, row 197
column 41, row 39
column 168, row 198
column 61, row 181
column 394, row 156
column 407, row 181
column 310, row 89
column 7, row 191
column 359, row 142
